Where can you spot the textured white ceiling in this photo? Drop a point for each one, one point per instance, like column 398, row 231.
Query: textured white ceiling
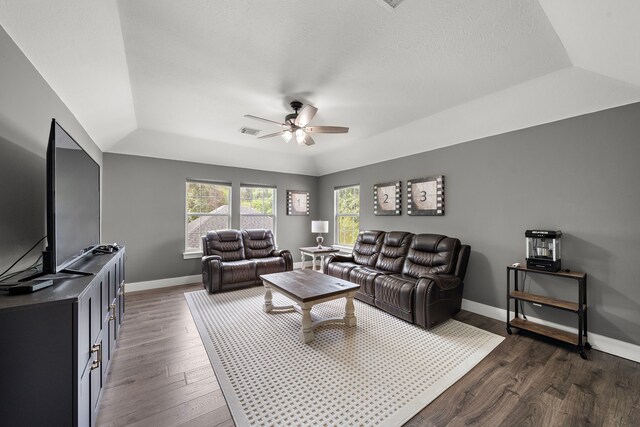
column 173, row 79
column 76, row 45
column 601, row 36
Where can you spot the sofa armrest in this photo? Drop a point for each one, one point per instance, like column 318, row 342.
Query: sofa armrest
column 338, row 258
column 463, row 261
column 278, row 252
column 442, row 281
column 334, row 258
column 438, row 297
column 212, row 273
column 208, row 258
column 286, row 254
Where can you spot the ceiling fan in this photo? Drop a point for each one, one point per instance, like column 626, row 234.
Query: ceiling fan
column 295, row 124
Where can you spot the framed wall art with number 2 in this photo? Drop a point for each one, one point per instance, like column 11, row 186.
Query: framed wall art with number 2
column 386, row 198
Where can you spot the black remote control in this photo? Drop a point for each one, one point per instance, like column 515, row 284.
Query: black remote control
column 30, row 286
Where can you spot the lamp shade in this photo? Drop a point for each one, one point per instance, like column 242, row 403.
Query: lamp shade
column 319, row 226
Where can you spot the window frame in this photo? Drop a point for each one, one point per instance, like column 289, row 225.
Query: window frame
column 337, row 215
column 194, row 252
column 274, row 216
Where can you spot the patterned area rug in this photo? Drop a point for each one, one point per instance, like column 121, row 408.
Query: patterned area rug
column 379, row 373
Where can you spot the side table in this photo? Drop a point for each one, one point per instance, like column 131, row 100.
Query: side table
column 578, row 307
column 315, row 252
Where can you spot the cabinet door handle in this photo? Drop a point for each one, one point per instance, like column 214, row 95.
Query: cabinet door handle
column 112, row 308
column 96, row 348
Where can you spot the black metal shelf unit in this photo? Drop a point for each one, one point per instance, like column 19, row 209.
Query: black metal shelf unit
column 579, row 307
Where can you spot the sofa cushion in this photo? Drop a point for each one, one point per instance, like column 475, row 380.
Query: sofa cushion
column 393, row 251
column 275, row 264
column 365, row 277
column 431, row 254
column 258, row 243
column 225, row 243
column 238, row 271
column 367, row 246
column 395, row 294
column 340, row 269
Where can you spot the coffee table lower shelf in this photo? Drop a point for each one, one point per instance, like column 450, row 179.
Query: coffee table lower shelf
column 307, row 288
column 309, row 320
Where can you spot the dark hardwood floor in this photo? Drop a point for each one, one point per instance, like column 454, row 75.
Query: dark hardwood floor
column 160, row 376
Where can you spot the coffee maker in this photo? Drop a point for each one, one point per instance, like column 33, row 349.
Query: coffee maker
column 543, row 249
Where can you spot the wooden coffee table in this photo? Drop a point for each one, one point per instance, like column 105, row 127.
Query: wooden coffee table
column 307, row 288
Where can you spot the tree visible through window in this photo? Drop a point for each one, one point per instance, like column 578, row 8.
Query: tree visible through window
column 347, row 209
column 257, row 207
column 208, row 208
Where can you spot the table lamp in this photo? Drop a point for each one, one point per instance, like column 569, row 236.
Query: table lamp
column 319, row 227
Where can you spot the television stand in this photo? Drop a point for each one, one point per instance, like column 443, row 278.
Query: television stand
column 62, row 274
column 76, row 272
column 57, row 345
column 32, row 276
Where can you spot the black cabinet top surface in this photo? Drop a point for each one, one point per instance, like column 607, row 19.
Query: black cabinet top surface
column 66, row 287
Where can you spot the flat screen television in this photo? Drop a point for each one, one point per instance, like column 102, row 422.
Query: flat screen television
column 73, row 202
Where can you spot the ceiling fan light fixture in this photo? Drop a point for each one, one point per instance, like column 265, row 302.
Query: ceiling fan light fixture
column 296, row 124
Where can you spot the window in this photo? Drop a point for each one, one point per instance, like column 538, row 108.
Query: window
column 347, row 209
column 208, row 207
column 257, row 207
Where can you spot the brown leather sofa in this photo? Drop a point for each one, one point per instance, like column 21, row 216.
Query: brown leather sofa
column 416, row 277
column 234, row 258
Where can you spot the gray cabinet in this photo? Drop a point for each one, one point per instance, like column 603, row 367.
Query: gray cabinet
column 56, row 345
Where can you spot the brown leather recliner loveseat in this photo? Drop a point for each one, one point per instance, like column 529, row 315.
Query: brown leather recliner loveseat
column 416, row 277
column 234, row 258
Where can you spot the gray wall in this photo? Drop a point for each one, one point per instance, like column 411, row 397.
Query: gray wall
column 27, row 104
column 22, row 206
column 578, row 175
column 144, row 208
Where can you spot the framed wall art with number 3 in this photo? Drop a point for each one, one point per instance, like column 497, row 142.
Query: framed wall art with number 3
column 386, row 198
column 425, row 196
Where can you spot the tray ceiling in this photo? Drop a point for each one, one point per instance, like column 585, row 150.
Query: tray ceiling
column 173, row 79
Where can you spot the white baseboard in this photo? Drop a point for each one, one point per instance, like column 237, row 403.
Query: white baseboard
column 162, row 283
column 598, row 342
column 307, row 264
column 177, row 281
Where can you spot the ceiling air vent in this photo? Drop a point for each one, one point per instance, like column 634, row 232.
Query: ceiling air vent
column 250, row 131
column 392, row 3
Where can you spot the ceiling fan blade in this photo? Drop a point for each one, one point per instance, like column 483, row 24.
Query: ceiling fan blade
column 264, row 120
column 271, row 135
column 326, row 129
column 308, row 140
column 305, row 115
